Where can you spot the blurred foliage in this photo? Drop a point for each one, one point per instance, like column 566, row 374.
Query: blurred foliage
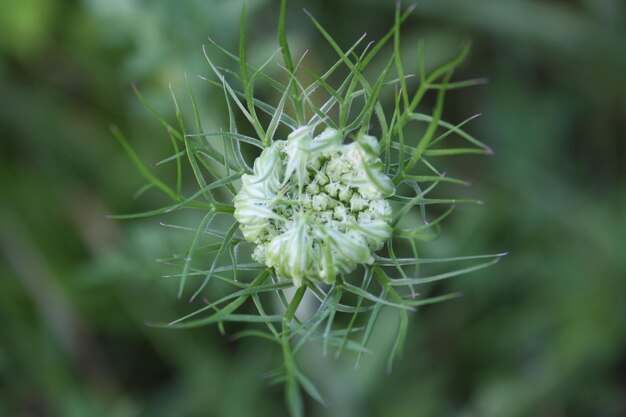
column 542, row 334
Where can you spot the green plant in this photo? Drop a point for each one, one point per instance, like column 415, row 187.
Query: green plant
column 335, row 212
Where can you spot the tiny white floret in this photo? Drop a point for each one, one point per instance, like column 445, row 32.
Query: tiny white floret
column 314, row 207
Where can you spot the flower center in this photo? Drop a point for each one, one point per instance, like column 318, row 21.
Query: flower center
column 314, row 207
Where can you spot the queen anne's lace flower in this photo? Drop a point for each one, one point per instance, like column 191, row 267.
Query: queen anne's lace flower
column 314, row 207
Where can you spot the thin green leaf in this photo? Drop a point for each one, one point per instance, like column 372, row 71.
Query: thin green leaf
column 194, row 243
column 225, row 243
column 439, row 277
column 284, row 44
column 140, row 166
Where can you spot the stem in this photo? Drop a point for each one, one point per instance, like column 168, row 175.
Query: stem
column 223, row 208
column 293, row 305
column 292, row 390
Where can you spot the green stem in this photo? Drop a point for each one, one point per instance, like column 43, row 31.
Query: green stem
column 293, row 305
column 292, row 390
column 223, row 208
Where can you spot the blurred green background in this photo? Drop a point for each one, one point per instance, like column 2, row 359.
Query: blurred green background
column 543, row 333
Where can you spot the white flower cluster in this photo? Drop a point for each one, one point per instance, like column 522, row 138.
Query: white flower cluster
column 315, row 207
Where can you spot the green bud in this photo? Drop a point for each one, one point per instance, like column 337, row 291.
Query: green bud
column 314, row 207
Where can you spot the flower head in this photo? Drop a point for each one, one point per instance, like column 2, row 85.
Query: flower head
column 315, row 207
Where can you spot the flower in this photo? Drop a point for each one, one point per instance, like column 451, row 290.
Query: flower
column 315, row 207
